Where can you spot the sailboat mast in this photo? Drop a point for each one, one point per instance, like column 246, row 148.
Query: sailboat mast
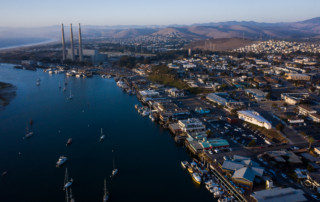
column 105, row 186
column 67, row 195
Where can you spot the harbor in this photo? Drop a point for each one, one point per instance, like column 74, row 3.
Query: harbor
column 146, row 155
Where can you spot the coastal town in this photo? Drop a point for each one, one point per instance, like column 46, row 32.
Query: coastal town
column 250, row 122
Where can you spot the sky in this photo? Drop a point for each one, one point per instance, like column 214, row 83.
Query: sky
column 37, row 13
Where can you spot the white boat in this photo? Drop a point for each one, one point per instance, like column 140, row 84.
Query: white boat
column 106, row 194
column 196, row 177
column 28, row 134
column 62, row 160
column 102, row 136
column 114, row 171
column 38, row 83
column 184, row 164
column 217, row 194
column 145, row 113
column 152, row 118
column 67, row 182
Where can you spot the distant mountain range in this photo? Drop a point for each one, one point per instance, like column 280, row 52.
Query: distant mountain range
column 231, row 29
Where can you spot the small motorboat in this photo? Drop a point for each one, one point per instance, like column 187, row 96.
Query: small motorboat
column 28, row 135
column 69, row 142
column 114, row 173
column 184, row 164
column 61, row 161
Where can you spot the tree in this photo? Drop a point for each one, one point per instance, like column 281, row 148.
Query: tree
column 209, row 133
column 311, row 141
column 274, row 105
column 279, row 126
column 252, row 143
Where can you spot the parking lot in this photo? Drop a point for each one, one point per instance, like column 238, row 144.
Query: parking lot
column 238, row 135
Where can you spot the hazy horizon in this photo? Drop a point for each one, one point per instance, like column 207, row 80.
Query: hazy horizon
column 34, row 13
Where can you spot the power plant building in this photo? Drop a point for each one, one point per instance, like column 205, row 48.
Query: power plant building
column 79, row 54
column 89, row 55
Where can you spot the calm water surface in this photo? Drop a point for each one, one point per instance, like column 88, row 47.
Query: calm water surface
column 146, row 155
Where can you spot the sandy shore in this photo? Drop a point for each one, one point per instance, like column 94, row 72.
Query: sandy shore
column 10, row 48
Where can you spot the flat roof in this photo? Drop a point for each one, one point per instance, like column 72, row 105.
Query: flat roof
column 279, row 195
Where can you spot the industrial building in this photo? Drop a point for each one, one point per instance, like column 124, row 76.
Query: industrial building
column 254, row 118
column 80, row 54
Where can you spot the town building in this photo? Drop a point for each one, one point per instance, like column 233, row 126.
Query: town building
column 256, row 94
column 147, row 95
column 254, row 118
column 298, row 77
column 279, row 195
column 243, row 171
column 315, row 117
column 305, row 110
column 174, row 92
column 191, row 125
column 221, row 99
column 294, row 98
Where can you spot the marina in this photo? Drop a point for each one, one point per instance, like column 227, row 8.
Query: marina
column 141, row 146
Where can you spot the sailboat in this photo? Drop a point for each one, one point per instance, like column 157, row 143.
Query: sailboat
column 106, row 194
column 38, row 82
column 67, row 182
column 102, row 135
column 115, row 170
column 70, row 96
column 28, row 134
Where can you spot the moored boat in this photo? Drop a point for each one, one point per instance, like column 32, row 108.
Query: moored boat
column 102, row 136
column 61, row 161
column 196, row 177
column 190, row 170
column 69, row 142
column 184, row 164
column 106, row 194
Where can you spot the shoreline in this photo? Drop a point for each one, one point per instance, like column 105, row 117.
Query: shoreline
column 9, row 48
column 7, row 94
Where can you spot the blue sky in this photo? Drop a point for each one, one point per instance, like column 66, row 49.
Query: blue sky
column 34, row 13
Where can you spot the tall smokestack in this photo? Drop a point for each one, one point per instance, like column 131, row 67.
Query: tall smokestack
column 80, row 45
column 63, row 44
column 71, row 39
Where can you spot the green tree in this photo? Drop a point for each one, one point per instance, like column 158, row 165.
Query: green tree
column 311, row 141
column 252, row 143
column 209, row 133
column 279, row 126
